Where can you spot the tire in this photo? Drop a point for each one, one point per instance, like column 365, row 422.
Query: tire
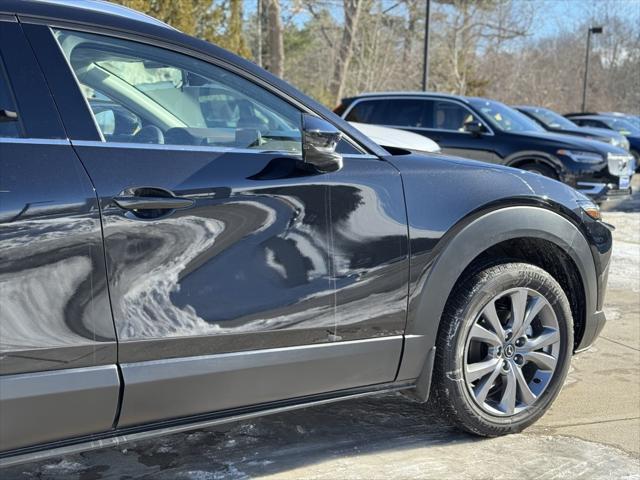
column 540, row 169
column 636, row 155
column 459, row 351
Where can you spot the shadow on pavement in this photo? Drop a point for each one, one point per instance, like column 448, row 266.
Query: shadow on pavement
column 263, row 446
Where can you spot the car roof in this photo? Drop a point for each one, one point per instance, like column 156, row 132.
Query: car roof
column 59, row 8
column 590, row 116
column 528, row 107
column 419, row 93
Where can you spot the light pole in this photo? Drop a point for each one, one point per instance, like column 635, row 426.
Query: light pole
column 425, row 64
column 594, row 31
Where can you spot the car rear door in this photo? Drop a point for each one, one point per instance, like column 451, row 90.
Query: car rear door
column 58, row 373
column 233, row 273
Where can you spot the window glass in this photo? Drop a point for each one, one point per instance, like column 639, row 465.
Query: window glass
column 505, row 118
column 406, row 112
column 366, row 111
column 398, row 112
column 8, row 127
column 621, row 126
column 450, row 116
column 552, row 119
column 143, row 94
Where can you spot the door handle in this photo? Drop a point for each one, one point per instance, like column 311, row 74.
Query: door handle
column 152, row 203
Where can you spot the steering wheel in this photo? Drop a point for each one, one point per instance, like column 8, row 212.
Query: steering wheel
column 149, row 134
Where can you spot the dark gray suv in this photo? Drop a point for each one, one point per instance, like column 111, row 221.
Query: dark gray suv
column 186, row 239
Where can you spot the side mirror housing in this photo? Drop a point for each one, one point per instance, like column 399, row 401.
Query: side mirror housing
column 319, row 141
column 474, row 127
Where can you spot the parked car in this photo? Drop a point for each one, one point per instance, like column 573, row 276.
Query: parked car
column 633, row 119
column 615, row 123
column 556, row 123
column 490, row 131
column 186, row 239
column 396, row 138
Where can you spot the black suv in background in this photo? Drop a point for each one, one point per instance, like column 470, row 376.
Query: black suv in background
column 490, row 131
column 556, row 123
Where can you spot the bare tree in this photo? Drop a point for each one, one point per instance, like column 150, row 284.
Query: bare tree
column 276, row 38
column 352, row 9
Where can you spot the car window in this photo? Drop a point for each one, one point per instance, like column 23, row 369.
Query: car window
column 406, row 112
column 367, row 111
column 621, row 126
column 144, row 94
column 591, row 123
column 8, row 127
column 447, row 115
column 505, row 118
column 398, row 112
column 552, row 119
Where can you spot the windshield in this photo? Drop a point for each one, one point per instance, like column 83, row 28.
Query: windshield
column 621, row 125
column 552, row 119
column 505, row 118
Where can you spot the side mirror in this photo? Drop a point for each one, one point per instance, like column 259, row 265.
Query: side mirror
column 474, row 127
column 8, row 115
column 319, row 142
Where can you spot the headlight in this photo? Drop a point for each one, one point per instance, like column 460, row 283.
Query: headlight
column 582, row 157
column 590, row 208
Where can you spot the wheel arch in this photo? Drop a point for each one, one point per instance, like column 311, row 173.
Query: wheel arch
column 471, row 247
column 522, row 158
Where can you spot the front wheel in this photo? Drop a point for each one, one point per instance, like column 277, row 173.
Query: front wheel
column 503, row 349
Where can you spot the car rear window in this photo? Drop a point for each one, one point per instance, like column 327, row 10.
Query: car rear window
column 398, row 112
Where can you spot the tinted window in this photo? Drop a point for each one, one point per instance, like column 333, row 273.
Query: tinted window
column 367, row 111
column 590, row 123
column 8, row 128
column 143, row 94
column 406, row 113
column 447, row 115
column 398, row 112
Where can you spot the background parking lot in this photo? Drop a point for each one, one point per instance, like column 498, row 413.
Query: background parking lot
column 592, row 430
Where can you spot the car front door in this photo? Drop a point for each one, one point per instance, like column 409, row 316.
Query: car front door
column 58, row 372
column 236, row 276
column 446, row 120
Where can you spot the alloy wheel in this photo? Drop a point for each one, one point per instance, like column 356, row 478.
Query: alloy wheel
column 511, row 352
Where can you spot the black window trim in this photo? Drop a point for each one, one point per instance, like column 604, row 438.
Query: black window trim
column 52, row 23
column 420, row 97
column 12, row 97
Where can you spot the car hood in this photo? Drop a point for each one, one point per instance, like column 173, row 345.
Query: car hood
column 601, row 132
column 435, row 178
column 394, row 137
column 570, row 142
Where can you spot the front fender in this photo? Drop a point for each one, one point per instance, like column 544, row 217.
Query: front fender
column 432, row 286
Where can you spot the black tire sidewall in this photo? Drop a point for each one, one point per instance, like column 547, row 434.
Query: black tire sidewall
column 468, row 301
column 540, row 169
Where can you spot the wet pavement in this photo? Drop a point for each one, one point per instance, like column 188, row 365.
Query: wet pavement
column 592, row 431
